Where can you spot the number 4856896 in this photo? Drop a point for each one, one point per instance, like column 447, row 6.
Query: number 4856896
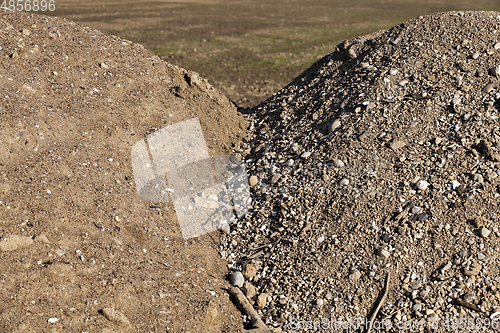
column 28, row 5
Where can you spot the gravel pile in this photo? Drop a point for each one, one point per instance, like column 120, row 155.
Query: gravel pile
column 384, row 156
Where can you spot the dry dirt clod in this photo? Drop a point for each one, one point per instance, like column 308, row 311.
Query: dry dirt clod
column 115, row 316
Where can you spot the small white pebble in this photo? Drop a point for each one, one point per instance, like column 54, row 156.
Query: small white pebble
column 422, row 185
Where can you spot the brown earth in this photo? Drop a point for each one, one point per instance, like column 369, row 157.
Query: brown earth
column 77, row 239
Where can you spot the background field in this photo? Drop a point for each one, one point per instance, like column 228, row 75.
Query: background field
column 249, row 49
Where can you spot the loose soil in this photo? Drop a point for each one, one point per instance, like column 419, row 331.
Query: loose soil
column 77, row 239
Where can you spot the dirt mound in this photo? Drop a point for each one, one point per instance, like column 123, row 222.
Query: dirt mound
column 79, row 247
column 382, row 157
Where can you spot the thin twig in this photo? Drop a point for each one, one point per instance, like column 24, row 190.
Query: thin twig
column 248, row 309
column 382, row 300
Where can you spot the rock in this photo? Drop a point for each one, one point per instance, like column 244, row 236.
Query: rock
column 14, row 55
column 319, row 302
column 115, row 317
column 338, row 163
column 14, row 242
column 249, row 270
column 422, row 217
column 249, row 290
column 344, row 182
column 351, row 54
column 484, row 232
column 417, row 307
column 393, row 71
column 355, row 276
column 253, row 180
column 495, row 71
column 275, row 178
column 422, row 185
column 489, row 87
column 52, row 320
column 475, row 55
column 226, row 228
column 478, row 178
column 305, row 154
column 261, row 300
column 237, row 279
column 415, row 285
column 433, row 318
column 26, row 32
column 333, row 126
column 103, row 65
column 42, row 239
column 479, row 222
column 397, row 144
column 384, row 253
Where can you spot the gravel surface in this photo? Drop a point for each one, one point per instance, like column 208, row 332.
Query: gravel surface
column 383, row 156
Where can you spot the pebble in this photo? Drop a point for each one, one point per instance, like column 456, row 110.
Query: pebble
column 422, row 185
column 393, row 71
column 237, row 279
column 344, row 182
column 262, row 300
column 415, row 210
column 355, row 276
column 26, row 32
column 497, row 46
column 417, row 307
column 484, row 232
column 422, row 217
column 351, row 54
column 481, row 256
column 489, row 87
column 253, row 180
column 338, row 163
column 305, row 154
column 384, row 253
column 52, row 320
column 249, row 290
column 226, row 228
column 495, row 71
column 103, row 65
column 60, row 252
column 479, row 222
column 275, row 178
column 249, row 270
column 336, row 124
column 320, row 239
column 475, row 55
column 433, row 317
column 397, row 144
column 319, row 302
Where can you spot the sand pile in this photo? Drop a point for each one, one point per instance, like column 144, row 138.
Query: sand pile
column 384, row 156
column 80, row 251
